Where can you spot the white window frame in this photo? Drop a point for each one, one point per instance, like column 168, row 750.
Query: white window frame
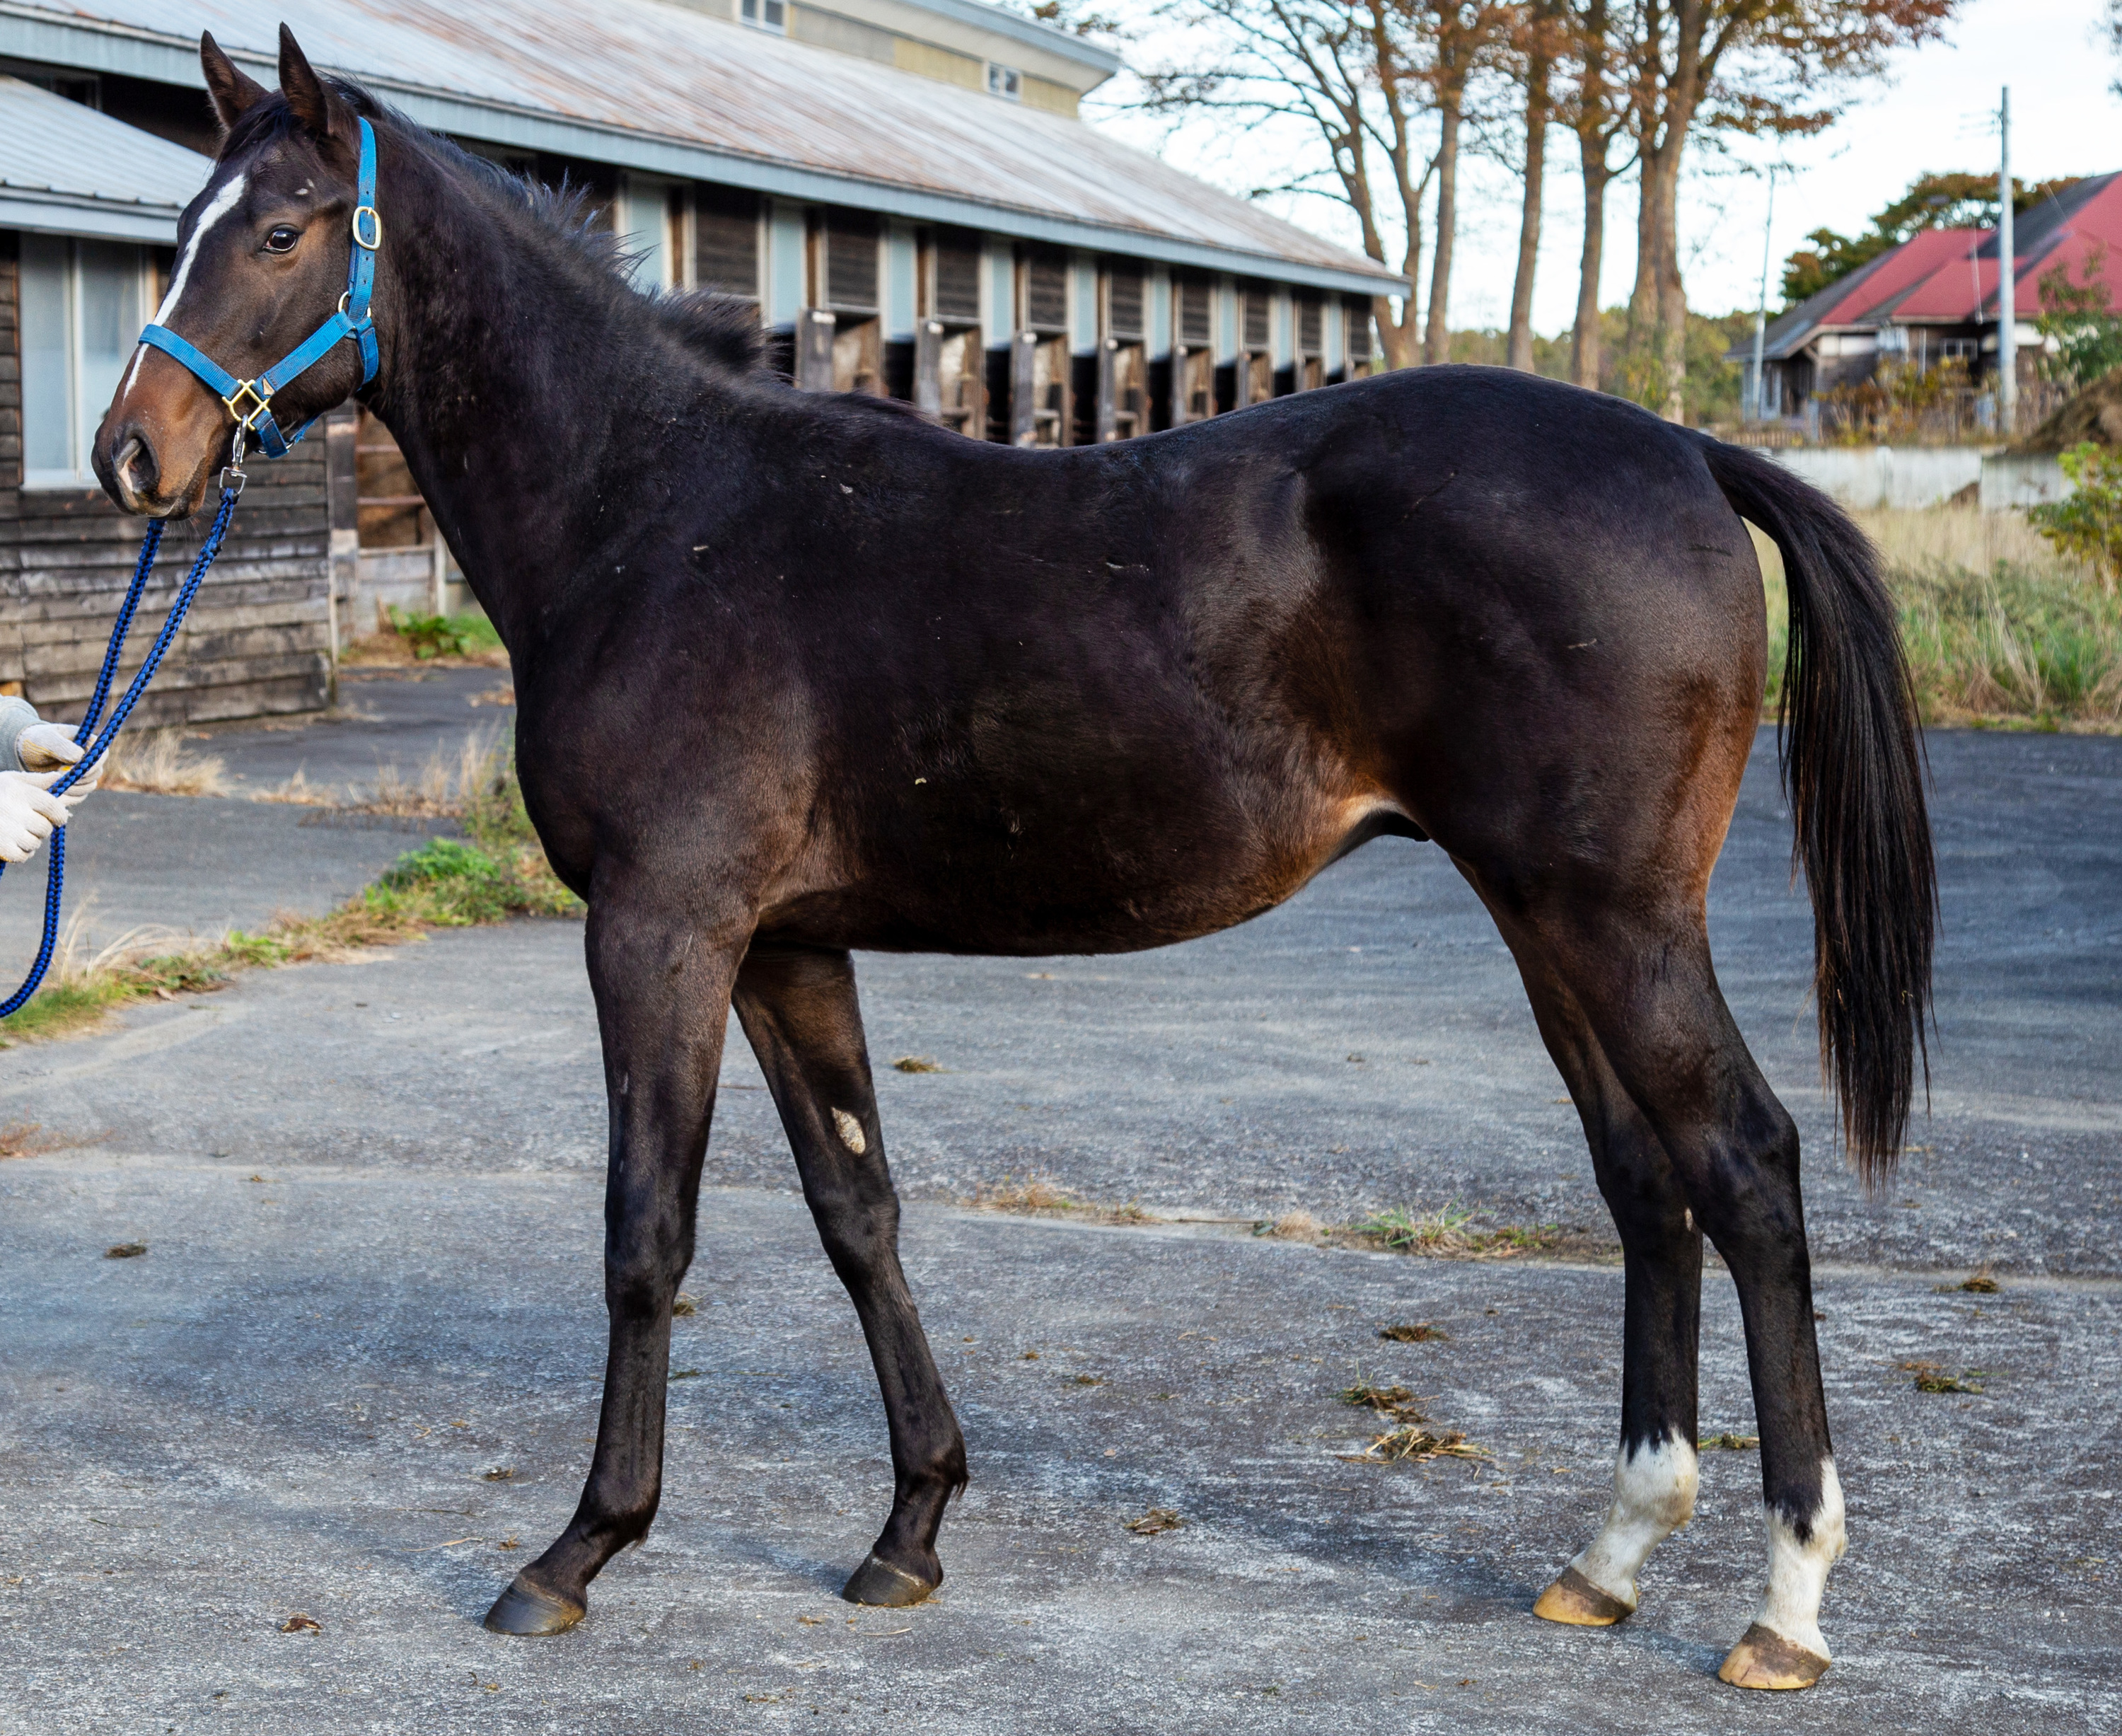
column 770, row 16
column 1005, row 81
column 83, row 418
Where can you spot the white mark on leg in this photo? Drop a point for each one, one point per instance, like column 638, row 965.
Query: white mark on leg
column 1653, row 1497
column 1797, row 1572
column 850, row 1132
column 218, row 207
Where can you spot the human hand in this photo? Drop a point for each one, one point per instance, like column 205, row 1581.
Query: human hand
column 29, row 812
column 44, row 747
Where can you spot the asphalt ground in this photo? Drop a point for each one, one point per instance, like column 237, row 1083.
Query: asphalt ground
column 240, row 1435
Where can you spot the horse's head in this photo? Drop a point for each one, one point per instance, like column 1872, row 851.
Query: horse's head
column 261, row 263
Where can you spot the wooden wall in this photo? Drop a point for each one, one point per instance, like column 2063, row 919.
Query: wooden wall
column 257, row 640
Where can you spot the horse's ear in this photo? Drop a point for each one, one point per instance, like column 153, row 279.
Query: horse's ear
column 232, row 91
column 321, row 108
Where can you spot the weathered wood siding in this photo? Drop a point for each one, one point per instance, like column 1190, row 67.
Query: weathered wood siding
column 259, row 636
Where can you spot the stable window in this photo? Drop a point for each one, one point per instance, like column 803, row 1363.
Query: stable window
column 726, row 240
column 1194, row 311
column 82, row 305
column 958, row 278
column 765, row 15
column 1005, row 81
column 850, row 262
column 1124, row 302
column 1046, row 292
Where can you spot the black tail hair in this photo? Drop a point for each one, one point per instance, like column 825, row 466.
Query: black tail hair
column 1853, row 770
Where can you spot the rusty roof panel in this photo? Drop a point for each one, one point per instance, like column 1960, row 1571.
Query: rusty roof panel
column 664, row 71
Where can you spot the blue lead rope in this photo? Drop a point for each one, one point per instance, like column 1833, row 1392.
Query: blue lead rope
column 55, row 882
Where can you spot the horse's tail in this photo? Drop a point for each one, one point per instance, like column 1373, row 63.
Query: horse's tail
column 1853, row 770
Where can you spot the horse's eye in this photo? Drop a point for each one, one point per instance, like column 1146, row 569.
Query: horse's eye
column 282, row 239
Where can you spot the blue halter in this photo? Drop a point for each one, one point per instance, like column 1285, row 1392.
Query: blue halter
column 250, row 401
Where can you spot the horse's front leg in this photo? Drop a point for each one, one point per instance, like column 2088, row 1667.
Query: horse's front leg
column 798, row 1008
column 662, row 976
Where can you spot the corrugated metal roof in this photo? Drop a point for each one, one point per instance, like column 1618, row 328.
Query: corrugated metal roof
column 652, row 72
column 67, row 170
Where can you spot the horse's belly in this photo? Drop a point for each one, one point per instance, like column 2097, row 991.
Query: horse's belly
column 1112, row 890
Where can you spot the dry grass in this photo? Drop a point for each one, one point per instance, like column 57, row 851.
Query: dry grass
column 1930, row 1378
column 1420, row 1333
column 1397, row 1403
column 1036, row 1196
column 156, row 763
column 2001, row 631
column 1411, row 1444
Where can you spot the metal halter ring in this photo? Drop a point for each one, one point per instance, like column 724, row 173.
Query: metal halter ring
column 262, row 402
column 374, row 239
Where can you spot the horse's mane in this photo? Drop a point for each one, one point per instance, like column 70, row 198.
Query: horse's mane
column 724, row 330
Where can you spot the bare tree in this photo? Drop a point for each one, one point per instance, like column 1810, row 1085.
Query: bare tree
column 1349, row 72
column 1731, row 67
column 1537, row 41
column 1593, row 105
column 1455, row 40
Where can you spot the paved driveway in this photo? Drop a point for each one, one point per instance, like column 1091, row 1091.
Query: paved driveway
column 262, row 1414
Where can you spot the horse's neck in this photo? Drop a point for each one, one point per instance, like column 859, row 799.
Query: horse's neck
column 506, row 390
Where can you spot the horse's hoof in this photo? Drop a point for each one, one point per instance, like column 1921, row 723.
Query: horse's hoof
column 1575, row 1600
column 1764, row 1658
column 878, row 1582
column 529, row 1610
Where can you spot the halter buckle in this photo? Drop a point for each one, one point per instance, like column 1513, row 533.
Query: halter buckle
column 374, row 239
column 260, row 402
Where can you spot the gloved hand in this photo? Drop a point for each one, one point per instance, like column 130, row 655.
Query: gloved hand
column 51, row 747
column 28, row 812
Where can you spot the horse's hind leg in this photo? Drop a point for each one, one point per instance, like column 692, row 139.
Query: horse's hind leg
column 1639, row 970
column 1654, row 1469
column 799, row 1009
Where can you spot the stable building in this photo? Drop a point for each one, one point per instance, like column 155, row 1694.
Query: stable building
column 902, row 188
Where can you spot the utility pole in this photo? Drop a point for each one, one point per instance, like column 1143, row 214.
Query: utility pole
column 1761, row 313
column 2008, row 330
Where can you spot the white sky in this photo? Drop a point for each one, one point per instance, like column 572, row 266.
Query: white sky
column 1937, row 112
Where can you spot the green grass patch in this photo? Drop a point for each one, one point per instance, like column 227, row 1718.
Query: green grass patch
column 447, row 883
column 1454, row 1232
column 2016, row 644
column 430, row 636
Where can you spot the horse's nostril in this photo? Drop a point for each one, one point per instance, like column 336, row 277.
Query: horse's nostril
column 136, row 466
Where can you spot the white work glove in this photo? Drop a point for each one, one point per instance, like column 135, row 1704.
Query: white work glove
column 28, row 812
column 51, row 747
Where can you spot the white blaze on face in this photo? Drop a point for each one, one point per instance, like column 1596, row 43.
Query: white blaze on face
column 1797, row 1572
column 218, row 207
column 1653, row 1497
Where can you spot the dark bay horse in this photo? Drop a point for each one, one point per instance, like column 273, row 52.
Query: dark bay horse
column 800, row 673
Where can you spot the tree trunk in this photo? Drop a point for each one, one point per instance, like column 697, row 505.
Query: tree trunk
column 1672, row 304
column 1584, row 337
column 1436, row 338
column 1518, row 347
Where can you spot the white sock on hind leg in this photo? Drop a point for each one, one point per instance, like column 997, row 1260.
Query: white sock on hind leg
column 1653, row 1496
column 1798, row 1571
